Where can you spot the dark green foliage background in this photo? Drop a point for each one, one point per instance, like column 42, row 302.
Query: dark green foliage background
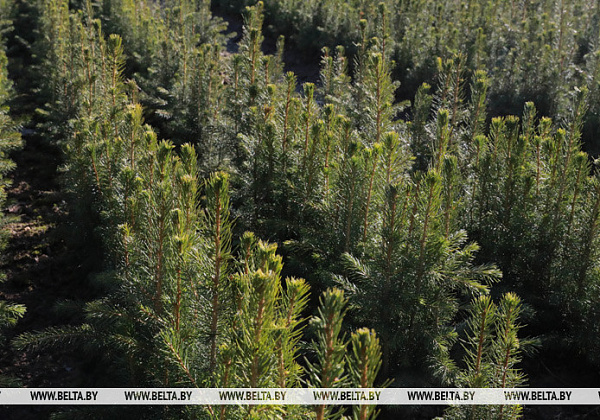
column 401, row 187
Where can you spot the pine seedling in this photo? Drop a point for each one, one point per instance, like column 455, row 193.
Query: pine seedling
column 450, row 194
column 255, row 336
column 420, row 115
column 266, row 330
column 441, row 142
column 479, row 349
column 372, row 160
column 335, row 81
column 332, row 123
column 250, row 54
column 492, row 350
column 419, row 250
column 479, row 342
column 351, row 189
column 138, row 25
column 54, row 24
column 329, row 368
column 290, row 121
column 219, row 233
column 363, row 364
column 308, row 117
column 376, row 108
column 507, row 328
column 183, row 339
column 477, row 107
column 294, row 302
column 396, row 159
column 450, row 97
column 572, row 146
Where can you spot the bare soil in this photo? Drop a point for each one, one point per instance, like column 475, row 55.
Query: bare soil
column 39, row 272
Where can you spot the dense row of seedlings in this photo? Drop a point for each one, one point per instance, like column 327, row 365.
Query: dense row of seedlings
column 174, row 53
column 529, row 195
column 331, row 169
column 345, row 161
column 183, row 306
column 532, row 50
column 331, row 172
column 361, row 200
column 10, row 140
